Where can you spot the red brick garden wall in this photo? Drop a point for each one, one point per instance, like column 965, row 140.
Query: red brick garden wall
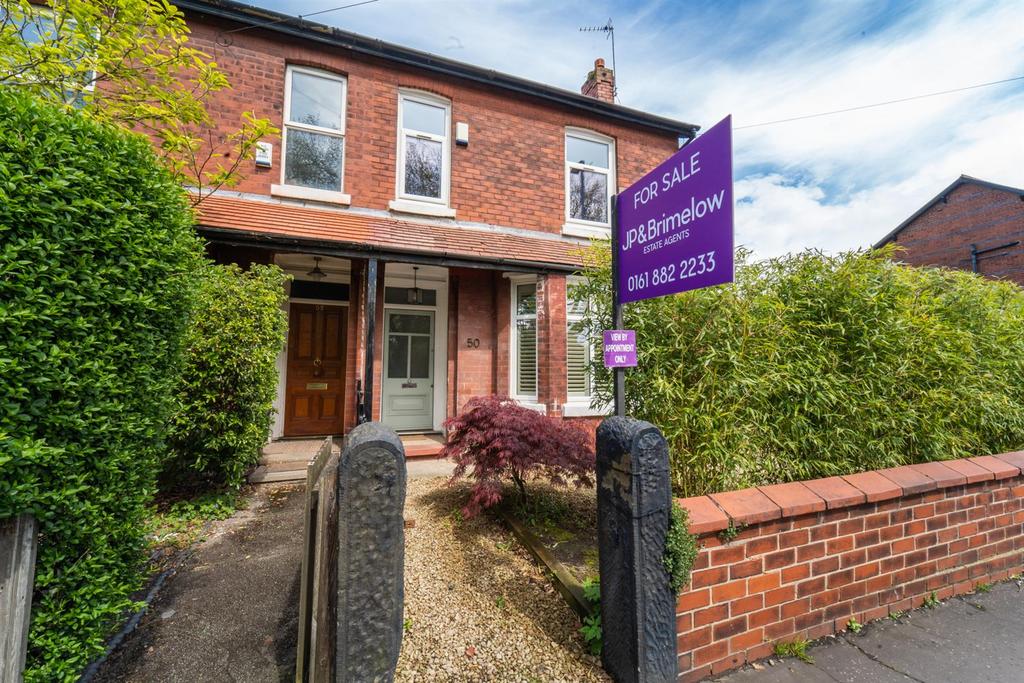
column 812, row 555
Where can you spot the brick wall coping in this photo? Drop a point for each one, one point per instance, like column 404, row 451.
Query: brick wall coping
column 714, row 512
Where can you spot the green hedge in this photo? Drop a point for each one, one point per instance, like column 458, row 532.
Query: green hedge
column 96, row 252
column 225, row 401
column 813, row 365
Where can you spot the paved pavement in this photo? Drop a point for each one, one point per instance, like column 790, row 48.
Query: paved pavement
column 230, row 612
column 971, row 639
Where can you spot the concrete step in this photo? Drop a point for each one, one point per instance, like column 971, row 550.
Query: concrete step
column 264, row 475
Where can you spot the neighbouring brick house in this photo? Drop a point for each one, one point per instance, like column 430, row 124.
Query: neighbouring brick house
column 971, row 225
column 454, row 199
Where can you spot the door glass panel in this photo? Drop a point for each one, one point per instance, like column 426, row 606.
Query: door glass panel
column 398, row 356
column 409, row 322
column 419, row 357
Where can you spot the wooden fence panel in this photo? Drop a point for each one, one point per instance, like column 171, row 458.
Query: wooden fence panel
column 311, row 523
column 17, row 571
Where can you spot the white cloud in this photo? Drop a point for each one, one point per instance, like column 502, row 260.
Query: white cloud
column 834, row 182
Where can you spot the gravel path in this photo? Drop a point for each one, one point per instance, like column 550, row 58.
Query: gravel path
column 476, row 607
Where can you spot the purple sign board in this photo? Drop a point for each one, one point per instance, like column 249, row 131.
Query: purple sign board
column 675, row 223
column 620, row 348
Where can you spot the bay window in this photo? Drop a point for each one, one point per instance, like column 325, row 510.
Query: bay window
column 524, row 339
column 579, row 351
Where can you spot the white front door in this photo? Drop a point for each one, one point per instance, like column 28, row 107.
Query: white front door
column 408, row 387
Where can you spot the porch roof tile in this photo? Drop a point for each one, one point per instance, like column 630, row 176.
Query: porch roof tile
column 291, row 221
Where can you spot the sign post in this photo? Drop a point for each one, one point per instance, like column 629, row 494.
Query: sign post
column 672, row 230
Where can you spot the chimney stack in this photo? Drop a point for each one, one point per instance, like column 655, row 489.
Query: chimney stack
column 600, row 83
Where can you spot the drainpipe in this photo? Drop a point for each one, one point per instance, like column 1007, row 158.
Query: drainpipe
column 976, row 253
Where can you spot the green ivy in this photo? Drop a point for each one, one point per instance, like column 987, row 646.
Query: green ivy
column 96, row 255
column 812, row 365
column 680, row 549
column 225, row 401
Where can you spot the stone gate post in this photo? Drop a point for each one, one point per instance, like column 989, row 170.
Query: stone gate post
column 371, row 554
column 634, row 500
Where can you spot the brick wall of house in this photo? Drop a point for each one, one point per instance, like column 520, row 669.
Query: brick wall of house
column 815, row 554
column 512, row 173
column 942, row 235
column 473, row 342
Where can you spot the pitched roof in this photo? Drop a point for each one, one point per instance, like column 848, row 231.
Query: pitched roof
column 263, row 19
column 962, row 180
column 233, row 218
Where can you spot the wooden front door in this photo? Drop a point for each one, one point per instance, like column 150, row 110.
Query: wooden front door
column 315, row 388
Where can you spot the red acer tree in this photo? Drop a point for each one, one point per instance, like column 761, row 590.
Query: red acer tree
column 496, row 440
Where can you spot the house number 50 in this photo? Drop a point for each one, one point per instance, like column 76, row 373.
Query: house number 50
column 473, row 343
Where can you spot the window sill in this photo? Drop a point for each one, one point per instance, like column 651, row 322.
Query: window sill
column 312, row 194
column 580, row 409
column 581, row 230
column 532, row 404
column 421, row 208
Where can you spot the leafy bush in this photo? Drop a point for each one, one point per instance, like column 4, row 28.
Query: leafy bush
column 96, row 252
column 680, row 549
column 812, row 365
column 495, row 439
column 591, row 628
column 225, row 400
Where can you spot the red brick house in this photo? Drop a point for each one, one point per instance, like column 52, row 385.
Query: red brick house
column 450, row 200
column 971, row 225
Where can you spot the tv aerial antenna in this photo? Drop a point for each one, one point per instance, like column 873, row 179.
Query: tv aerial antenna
column 609, row 32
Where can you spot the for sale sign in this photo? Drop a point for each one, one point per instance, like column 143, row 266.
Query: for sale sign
column 675, row 225
column 620, row 348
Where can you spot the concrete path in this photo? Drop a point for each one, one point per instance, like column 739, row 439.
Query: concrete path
column 971, row 639
column 230, row 612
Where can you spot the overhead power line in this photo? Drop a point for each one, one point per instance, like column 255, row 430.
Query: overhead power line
column 882, row 104
column 301, row 16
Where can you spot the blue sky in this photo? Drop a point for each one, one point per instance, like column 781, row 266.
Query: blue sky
column 835, row 182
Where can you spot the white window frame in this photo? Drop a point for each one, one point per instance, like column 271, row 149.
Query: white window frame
column 300, row 191
column 577, row 226
column 528, row 400
column 41, row 11
column 578, row 406
column 409, row 202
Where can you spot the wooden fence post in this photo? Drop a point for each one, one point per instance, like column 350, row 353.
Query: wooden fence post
column 312, row 542
column 17, row 569
column 634, row 508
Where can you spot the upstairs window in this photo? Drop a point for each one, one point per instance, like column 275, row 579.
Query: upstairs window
column 589, row 177
column 314, row 129
column 423, row 147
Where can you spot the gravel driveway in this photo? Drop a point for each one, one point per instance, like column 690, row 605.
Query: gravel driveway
column 476, row 607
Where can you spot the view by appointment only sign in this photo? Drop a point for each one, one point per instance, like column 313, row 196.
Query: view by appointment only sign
column 675, row 225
